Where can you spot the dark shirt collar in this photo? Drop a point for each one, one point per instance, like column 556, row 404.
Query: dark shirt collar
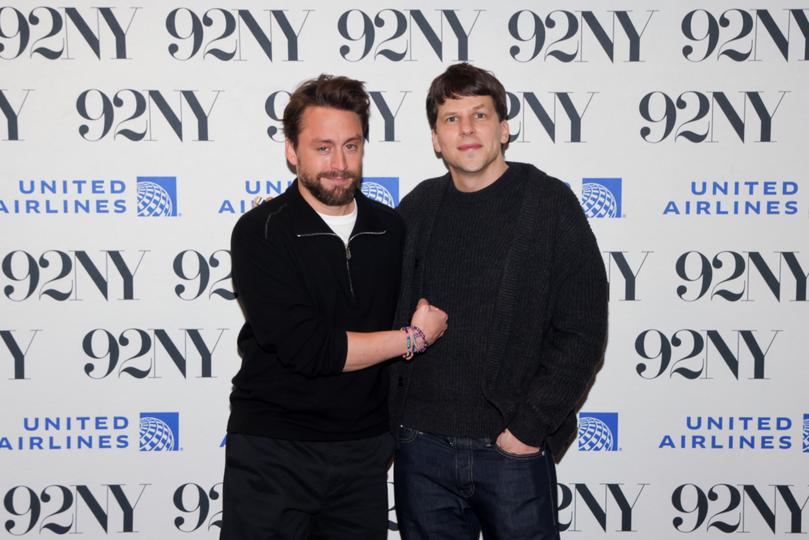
column 502, row 184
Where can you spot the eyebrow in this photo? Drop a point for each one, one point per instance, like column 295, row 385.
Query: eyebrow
column 355, row 138
column 475, row 108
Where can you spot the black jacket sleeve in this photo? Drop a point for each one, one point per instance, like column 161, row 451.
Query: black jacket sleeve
column 280, row 311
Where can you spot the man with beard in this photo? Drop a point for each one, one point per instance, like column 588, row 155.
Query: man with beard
column 317, row 273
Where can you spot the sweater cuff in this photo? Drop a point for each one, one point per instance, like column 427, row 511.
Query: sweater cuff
column 339, row 354
column 527, row 427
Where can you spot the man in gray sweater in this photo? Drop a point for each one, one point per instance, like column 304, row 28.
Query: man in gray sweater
column 508, row 252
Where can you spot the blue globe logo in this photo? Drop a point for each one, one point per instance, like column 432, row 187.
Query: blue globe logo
column 154, row 200
column 806, row 434
column 598, row 201
column 377, row 192
column 594, row 435
column 155, row 435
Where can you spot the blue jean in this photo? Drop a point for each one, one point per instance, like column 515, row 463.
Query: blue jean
column 456, row 488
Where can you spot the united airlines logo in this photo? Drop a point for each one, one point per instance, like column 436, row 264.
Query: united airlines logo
column 159, row 432
column 806, row 433
column 157, row 196
column 746, row 197
column 601, row 197
column 384, row 190
column 598, row 432
column 718, row 433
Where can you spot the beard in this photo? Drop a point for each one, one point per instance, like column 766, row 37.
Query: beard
column 336, row 196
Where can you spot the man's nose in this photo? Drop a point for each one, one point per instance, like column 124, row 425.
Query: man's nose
column 467, row 125
column 338, row 160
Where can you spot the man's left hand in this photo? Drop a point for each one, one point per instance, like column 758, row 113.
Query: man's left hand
column 512, row 445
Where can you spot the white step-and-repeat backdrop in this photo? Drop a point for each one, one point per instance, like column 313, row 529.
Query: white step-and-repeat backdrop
column 134, row 134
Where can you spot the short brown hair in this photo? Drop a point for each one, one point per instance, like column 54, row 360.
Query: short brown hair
column 326, row 91
column 461, row 80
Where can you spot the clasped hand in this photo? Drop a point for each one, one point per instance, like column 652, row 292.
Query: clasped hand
column 430, row 320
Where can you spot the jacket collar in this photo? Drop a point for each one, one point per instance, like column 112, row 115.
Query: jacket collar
column 306, row 221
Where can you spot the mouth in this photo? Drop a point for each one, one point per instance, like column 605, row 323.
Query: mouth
column 338, row 184
column 338, row 179
column 469, row 147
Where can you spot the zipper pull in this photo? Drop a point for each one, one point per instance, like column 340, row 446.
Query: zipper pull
column 348, row 253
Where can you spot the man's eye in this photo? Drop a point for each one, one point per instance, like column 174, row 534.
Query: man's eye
column 450, row 119
column 322, row 148
column 352, row 146
column 480, row 115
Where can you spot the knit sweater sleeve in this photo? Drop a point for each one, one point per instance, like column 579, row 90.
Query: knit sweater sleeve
column 573, row 346
column 411, row 203
column 282, row 315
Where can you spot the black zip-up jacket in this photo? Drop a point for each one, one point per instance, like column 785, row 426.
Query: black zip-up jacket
column 549, row 330
column 301, row 288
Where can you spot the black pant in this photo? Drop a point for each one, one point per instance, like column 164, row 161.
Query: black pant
column 278, row 489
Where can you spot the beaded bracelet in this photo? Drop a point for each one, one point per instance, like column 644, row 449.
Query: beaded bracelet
column 409, row 344
column 420, row 334
column 412, row 335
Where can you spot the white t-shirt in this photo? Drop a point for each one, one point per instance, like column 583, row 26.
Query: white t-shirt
column 341, row 225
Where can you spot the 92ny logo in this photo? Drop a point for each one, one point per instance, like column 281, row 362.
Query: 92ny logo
column 737, row 349
column 729, row 508
column 741, row 276
column 70, row 275
column 384, row 106
column 138, row 352
column 623, row 269
column 53, row 33
column 744, row 33
column 11, row 104
column 402, row 34
column 704, row 116
column 559, row 110
column 72, row 509
column 202, row 275
column 572, row 30
column 17, row 348
column 234, row 34
column 132, row 113
column 607, row 506
column 202, row 507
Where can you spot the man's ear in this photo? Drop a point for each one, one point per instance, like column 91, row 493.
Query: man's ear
column 436, row 145
column 289, row 150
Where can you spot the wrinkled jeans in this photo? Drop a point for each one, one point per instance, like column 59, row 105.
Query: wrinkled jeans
column 456, row 488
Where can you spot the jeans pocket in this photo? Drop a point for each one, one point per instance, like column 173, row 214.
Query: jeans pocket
column 518, row 457
column 407, row 435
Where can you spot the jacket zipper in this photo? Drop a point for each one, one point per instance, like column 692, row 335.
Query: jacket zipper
column 347, row 250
